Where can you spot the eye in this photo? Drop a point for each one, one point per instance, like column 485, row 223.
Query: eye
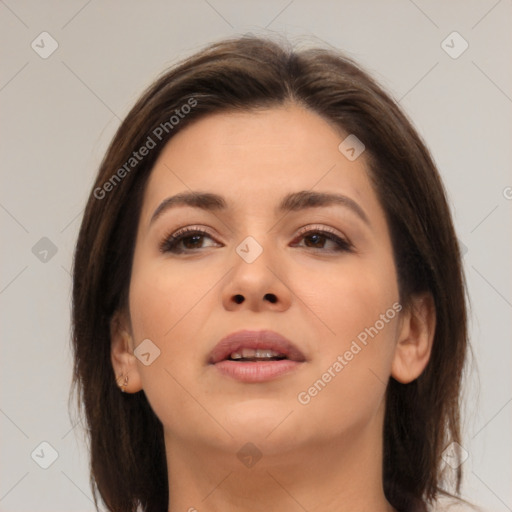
column 317, row 238
column 191, row 239
column 185, row 240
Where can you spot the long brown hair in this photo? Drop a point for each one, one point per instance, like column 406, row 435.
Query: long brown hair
column 128, row 465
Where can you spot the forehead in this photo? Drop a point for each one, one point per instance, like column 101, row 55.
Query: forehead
column 257, row 156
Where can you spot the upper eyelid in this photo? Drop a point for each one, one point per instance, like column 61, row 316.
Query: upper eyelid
column 319, row 227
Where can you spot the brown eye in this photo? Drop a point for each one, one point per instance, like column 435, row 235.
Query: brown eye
column 318, row 238
column 184, row 241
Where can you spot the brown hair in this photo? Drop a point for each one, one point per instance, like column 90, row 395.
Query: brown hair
column 128, row 464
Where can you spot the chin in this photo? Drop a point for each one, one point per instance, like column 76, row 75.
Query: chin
column 264, row 422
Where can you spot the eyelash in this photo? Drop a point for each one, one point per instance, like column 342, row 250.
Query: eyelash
column 170, row 243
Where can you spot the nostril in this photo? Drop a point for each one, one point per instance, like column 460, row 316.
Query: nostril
column 268, row 296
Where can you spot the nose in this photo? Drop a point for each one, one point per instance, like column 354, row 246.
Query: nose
column 257, row 285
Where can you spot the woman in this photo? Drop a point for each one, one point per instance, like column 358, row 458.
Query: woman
column 268, row 300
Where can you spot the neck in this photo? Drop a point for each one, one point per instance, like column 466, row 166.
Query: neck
column 341, row 474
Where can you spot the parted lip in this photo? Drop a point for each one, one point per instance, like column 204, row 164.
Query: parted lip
column 264, row 340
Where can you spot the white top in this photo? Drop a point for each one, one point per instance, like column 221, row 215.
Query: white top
column 445, row 504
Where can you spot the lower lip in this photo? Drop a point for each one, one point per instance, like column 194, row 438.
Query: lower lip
column 259, row 371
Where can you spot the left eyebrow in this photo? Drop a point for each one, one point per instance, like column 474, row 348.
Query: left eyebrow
column 308, row 199
column 294, row 201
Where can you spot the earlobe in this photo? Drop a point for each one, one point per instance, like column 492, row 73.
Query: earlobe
column 124, row 362
column 415, row 339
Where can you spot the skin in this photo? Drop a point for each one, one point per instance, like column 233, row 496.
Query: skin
column 325, row 455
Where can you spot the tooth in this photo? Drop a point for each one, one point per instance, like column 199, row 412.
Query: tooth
column 248, row 352
column 265, row 353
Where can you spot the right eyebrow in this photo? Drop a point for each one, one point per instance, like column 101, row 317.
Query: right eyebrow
column 204, row 200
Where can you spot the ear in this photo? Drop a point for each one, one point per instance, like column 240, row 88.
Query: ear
column 415, row 339
column 123, row 361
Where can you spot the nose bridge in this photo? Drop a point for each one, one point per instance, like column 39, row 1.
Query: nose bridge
column 258, row 244
column 253, row 259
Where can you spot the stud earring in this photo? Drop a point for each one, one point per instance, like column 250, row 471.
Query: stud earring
column 124, row 384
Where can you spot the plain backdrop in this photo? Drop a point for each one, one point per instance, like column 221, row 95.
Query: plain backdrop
column 61, row 109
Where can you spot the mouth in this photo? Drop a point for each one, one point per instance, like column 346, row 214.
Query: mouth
column 255, row 356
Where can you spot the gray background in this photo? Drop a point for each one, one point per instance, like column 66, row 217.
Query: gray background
column 60, row 112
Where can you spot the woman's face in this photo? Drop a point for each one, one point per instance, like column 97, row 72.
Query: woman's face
column 320, row 273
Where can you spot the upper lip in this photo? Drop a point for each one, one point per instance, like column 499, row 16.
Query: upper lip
column 265, row 339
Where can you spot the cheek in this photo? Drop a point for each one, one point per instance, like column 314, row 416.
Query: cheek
column 357, row 309
column 345, row 299
column 167, row 306
column 348, row 379
column 163, row 298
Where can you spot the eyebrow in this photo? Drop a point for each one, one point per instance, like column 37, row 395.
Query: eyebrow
column 294, row 201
